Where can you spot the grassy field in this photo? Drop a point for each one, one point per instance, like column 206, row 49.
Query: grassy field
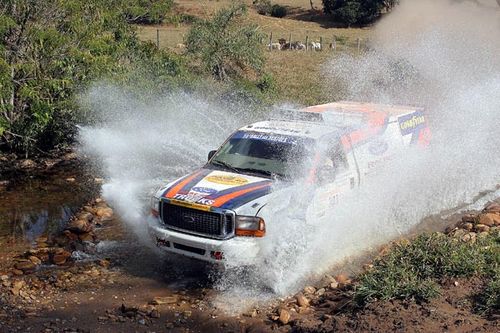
column 297, row 73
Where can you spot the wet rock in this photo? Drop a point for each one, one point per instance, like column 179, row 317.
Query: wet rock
column 103, row 263
column 79, row 226
column 482, row 228
column 302, row 300
column 492, row 207
column 71, row 236
column 320, row 292
column 86, row 237
column 4, row 184
column 164, row 300
column 284, row 317
column 104, row 213
column 25, row 266
column 309, row 290
column 468, row 226
column 17, row 286
column 71, row 179
column 35, row 260
column 343, row 280
column 61, row 257
column 469, row 218
column 17, row 272
column 154, row 313
column 469, row 237
column 187, row 314
column 489, row 219
column 85, row 215
column 27, row 164
column 4, row 278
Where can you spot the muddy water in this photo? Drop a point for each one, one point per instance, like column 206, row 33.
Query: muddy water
column 40, row 205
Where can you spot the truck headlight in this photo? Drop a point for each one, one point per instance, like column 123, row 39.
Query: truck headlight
column 155, row 206
column 250, row 226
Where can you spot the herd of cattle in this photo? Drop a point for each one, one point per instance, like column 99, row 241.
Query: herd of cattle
column 282, row 44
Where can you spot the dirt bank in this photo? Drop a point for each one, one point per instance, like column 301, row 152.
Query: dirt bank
column 94, row 275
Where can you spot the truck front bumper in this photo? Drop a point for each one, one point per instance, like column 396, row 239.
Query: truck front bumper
column 236, row 251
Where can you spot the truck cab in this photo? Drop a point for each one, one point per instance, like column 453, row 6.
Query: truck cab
column 220, row 208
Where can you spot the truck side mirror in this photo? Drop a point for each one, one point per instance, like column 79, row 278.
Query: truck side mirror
column 211, row 154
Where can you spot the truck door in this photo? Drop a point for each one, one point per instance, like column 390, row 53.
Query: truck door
column 336, row 174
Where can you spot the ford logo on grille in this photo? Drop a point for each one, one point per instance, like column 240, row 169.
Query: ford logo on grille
column 188, row 219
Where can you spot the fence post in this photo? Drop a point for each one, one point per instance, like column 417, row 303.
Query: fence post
column 359, row 45
column 321, row 43
column 158, row 38
column 271, row 41
column 334, row 44
column 307, row 42
column 290, row 41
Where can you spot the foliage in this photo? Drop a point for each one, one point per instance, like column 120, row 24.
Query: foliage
column 226, row 45
column 50, row 51
column 147, row 11
column 411, row 269
column 263, row 7
column 489, row 299
column 361, row 12
column 278, row 11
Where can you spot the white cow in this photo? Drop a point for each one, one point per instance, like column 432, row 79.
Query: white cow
column 315, row 46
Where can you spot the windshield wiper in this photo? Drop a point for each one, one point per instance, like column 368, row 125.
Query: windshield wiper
column 263, row 172
column 225, row 165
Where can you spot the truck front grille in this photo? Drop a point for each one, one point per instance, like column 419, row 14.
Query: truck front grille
column 198, row 222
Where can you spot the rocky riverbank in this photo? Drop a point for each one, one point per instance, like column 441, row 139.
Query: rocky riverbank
column 95, row 276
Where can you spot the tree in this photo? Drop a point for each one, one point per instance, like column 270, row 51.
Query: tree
column 49, row 50
column 356, row 11
column 147, row 11
column 226, row 45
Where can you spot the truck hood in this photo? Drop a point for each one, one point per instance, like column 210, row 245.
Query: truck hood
column 214, row 188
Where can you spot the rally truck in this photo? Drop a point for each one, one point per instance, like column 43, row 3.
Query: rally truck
column 224, row 206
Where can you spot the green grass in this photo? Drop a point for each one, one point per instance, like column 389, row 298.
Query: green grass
column 412, row 270
column 298, row 74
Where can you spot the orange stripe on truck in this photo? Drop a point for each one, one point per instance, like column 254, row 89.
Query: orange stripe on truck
column 225, row 198
column 173, row 191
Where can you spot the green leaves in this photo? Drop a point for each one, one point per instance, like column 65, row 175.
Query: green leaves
column 225, row 45
column 49, row 50
column 412, row 269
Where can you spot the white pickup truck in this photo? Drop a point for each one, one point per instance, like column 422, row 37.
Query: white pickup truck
column 221, row 207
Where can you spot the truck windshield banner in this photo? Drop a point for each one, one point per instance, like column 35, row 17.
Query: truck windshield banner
column 265, row 137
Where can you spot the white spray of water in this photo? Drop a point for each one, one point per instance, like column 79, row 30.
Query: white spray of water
column 141, row 146
column 439, row 54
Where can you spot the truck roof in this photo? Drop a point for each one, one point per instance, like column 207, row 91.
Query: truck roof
column 339, row 117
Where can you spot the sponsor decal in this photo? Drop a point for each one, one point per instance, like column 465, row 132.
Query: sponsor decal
column 227, row 180
column 410, row 122
column 266, row 137
column 203, row 190
column 190, row 205
column 193, row 198
column 378, row 147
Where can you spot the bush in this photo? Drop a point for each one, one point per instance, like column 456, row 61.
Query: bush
column 489, row 299
column 361, row 12
column 50, row 50
column 411, row 269
column 263, row 7
column 278, row 11
column 225, row 46
column 147, row 11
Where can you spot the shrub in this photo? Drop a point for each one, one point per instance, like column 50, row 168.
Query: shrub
column 147, row 11
column 411, row 268
column 278, row 11
column 351, row 12
column 263, row 7
column 225, row 46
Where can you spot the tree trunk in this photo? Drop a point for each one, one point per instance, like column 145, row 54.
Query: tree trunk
column 312, row 5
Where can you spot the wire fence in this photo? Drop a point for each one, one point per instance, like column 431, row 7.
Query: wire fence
column 285, row 42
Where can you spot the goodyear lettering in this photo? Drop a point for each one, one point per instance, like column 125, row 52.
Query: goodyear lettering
column 410, row 122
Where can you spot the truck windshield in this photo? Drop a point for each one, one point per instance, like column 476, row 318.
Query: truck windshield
column 263, row 153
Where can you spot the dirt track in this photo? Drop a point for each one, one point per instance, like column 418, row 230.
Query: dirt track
column 122, row 286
